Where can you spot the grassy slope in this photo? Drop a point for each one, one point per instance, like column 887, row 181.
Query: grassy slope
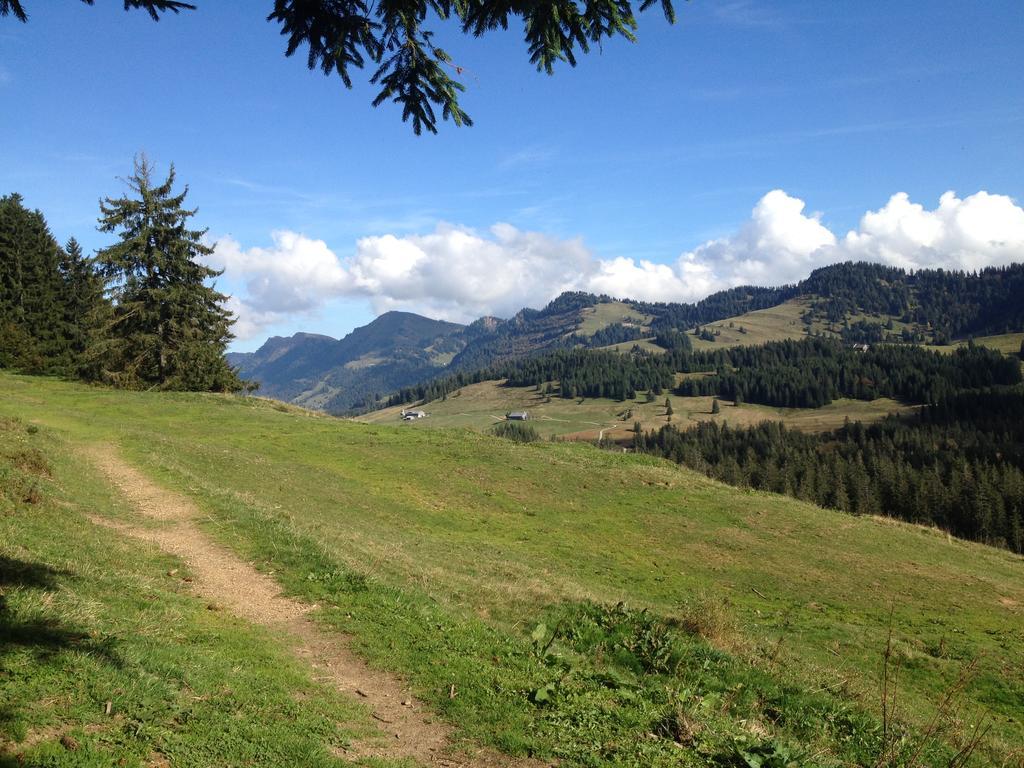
column 469, row 541
column 479, row 406
column 762, row 325
column 88, row 617
column 593, row 319
column 779, row 323
column 1007, row 343
column 645, row 344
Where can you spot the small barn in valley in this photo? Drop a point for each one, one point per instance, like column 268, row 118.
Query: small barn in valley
column 410, row 415
column 517, row 416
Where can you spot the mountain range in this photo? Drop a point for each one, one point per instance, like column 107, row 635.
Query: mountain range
column 854, row 300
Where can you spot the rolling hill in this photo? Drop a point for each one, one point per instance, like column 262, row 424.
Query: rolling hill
column 547, row 600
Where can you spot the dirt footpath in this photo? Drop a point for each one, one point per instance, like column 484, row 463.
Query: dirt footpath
column 219, row 576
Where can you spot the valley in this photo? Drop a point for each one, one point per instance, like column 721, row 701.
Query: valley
column 480, row 406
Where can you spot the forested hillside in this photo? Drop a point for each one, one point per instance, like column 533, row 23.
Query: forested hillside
column 957, row 465
column 954, row 466
column 853, row 302
column 951, row 304
column 813, row 372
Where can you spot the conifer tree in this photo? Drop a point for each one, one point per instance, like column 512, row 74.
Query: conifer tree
column 86, row 311
column 33, row 325
column 170, row 328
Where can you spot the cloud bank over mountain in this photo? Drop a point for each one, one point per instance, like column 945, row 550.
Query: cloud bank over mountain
column 459, row 274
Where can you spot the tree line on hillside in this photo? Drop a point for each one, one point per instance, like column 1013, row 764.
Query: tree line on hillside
column 933, row 306
column 812, row 372
column 953, row 304
column 140, row 314
column 579, row 372
column 717, row 306
column 957, row 465
column 808, row 373
column 613, row 333
column 592, row 373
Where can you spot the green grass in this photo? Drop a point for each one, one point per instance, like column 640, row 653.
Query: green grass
column 593, row 319
column 1007, row 343
column 481, row 406
column 644, row 344
column 785, row 321
column 88, row 617
column 751, row 624
column 760, row 326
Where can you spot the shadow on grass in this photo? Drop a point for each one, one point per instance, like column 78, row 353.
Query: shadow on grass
column 42, row 636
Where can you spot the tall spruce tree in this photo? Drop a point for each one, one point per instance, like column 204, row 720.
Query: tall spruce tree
column 170, row 328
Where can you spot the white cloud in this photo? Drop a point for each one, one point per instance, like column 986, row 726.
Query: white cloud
column 459, row 274
column 297, row 274
column 979, row 231
column 779, row 244
column 455, row 273
column 624, row 277
column 250, row 321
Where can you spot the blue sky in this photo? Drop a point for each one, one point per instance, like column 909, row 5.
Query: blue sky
column 648, row 170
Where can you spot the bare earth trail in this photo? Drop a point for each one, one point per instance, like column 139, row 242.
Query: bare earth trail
column 407, row 728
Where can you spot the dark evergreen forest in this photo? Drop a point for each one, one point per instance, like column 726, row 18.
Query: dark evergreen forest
column 568, row 373
column 52, row 305
column 957, row 465
column 812, row 372
column 809, row 373
column 953, row 304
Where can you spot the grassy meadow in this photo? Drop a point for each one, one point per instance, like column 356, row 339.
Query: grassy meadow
column 90, row 620
column 593, row 319
column 757, row 327
column 549, row 599
column 480, row 406
column 1007, row 343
